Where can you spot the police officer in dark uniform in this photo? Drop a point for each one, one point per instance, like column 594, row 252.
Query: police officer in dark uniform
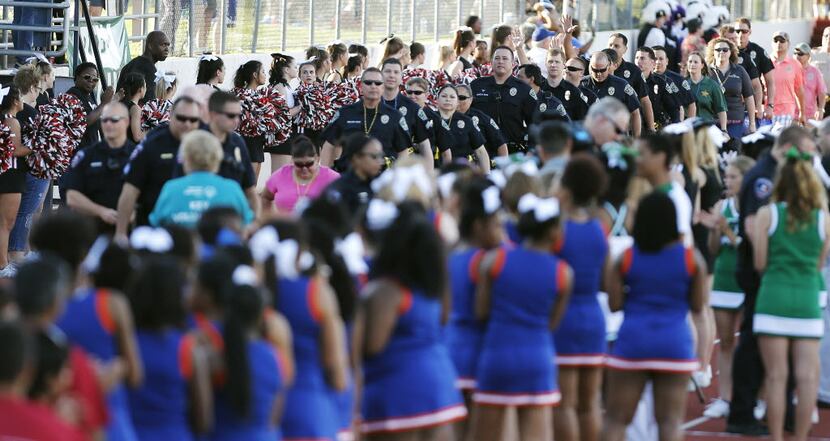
column 751, row 53
column 152, row 164
column 441, row 138
column 372, row 118
column 493, row 138
column 416, row 118
column 575, row 100
column 663, row 101
column 603, row 83
column 93, row 182
column 634, row 76
column 548, row 106
column 748, row 369
column 506, row 99
column 354, row 187
column 681, row 87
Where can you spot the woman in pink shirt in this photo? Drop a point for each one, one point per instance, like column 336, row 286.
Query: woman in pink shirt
column 302, row 179
column 789, row 83
column 815, row 90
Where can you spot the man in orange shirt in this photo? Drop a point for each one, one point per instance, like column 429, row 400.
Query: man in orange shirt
column 788, row 76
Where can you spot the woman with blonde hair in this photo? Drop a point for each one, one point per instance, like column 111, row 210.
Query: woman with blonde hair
column 339, row 55
column 395, row 48
column 446, row 60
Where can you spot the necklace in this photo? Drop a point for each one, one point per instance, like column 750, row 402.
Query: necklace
column 367, row 129
column 307, row 186
column 721, row 81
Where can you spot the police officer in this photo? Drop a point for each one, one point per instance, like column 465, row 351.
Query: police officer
column 506, row 99
column 548, row 106
column 493, row 138
column 373, row 119
column 152, row 164
column 441, row 138
column 761, row 60
column 663, row 101
column 576, row 101
column 681, row 86
column 416, row 118
column 354, row 186
column 629, row 72
column 224, row 111
column 93, row 182
column 603, row 83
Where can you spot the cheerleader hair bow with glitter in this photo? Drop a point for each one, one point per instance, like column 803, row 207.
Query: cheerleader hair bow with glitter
column 380, row 214
column 37, row 56
column 352, row 251
column 208, row 57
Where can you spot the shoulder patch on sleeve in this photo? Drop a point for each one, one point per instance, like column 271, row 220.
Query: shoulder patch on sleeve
column 686, row 85
column 422, row 115
column 403, row 124
column 532, row 93
column 493, row 123
column 76, row 161
column 629, row 90
column 762, row 188
column 584, row 97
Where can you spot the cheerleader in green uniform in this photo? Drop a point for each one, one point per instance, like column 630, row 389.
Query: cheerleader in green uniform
column 790, row 246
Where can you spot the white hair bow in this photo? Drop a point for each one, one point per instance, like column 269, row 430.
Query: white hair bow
column 244, row 275
column 353, row 54
column 402, row 179
column 167, row 78
column 543, row 209
column 464, row 28
column 527, row 167
column 497, row 177
column 208, row 57
column 157, row 240
column 93, row 257
column 718, row 138
column 3, row 92
column 492, row 199
column 311, row 60
column 679, row 128
column 288, row 259
column 380, row 214
column 445, row 183
column 351, row 250
column 37, row 56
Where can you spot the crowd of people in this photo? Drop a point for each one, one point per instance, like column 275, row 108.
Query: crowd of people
column 432, row 250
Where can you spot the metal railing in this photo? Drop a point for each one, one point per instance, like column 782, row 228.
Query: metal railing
column 7, row 27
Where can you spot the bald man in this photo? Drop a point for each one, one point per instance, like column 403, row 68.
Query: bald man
column 156, row 48
column 96, row 176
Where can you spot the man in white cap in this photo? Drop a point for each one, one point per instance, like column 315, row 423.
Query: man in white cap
column 815, row 90
column 788, row 81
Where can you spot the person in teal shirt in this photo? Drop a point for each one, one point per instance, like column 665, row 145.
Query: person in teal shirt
column 183, row 200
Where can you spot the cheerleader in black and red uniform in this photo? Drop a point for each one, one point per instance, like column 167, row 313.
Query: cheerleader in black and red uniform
column 12, row 178
column 258, row 114
column 281, row 96
column 316, row 109
column 157, row 111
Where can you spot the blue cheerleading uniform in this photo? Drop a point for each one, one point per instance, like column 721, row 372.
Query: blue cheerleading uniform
column 410, row 384
column 655, row 334
column 464, row 332
column 512, row 229
column 310, row 409
column 87, row 322
column 580, row 337
column 159, row 408
column 516, row 365
column 266, row 384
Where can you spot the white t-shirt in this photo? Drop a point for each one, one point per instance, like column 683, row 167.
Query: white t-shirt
column 539, row 56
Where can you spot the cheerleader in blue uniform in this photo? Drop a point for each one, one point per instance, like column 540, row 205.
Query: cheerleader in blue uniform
column 523, row 292
column 310, row 306
column 408, row 377
column 655, row 283
column 176, row 386
column 252, row 387
column 580, row 338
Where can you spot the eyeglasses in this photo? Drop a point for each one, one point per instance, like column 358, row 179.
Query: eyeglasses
column 463, row 97
column 90, row 78
column 307, row 164
column 373, row 83
column 722, row 49
column 375, row 156
column 574, row 69
column 599, row 71
column 187, row 119
column 230, row 115
column 112, row 119
column 415, row 92
column 779, row 40
column 617, row 129
column 799, row 54
column 742, row 31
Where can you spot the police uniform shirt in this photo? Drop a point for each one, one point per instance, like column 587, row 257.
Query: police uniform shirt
column 489, row 129
column 616, row 87
column 631, row 73
column 760, row 58
column 93, row 131
column 745, row 61
column 549, row 107
column 663, row 103
column 236, row 162
column 682, row 88
column 384, row 123
column 442, row 138
column 150, row 166
column 97, row 172
column 576, row 101
column 511, row 104
column 416, row 119
column 466, row 138
column 354, row 192
column 755, row 192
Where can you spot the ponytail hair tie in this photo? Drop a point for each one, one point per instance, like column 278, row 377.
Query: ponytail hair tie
column 795, row 154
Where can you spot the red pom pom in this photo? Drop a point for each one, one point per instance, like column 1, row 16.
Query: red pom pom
column 155, row 113
column 6, row 148
column 316, row 109
column 259, row 116
column 343, row 94
column 57, row 132
column 279, row 131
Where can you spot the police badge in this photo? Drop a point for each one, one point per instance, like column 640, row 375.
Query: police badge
column 656, row 89
column 460, row 124
column 627, row 74
column 402, row 110
column 543, row 107
column 384, row 119
column 513, row 91
column 611, row 91
column 567, row 95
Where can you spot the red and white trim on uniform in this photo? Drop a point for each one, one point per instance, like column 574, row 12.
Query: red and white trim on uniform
column 465, row 383
column 345, row 435
column 421, row 421
column 676, row 366
column 580, row 360
column 502, row 399
column 306, row 439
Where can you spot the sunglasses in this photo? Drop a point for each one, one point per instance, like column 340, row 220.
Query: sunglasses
column 617, row 129
column 373, row 83
column 595, row 70
column 230, row 115
column 90, row 78
column 742, row 31
column 799, row 54
column 415, row 92
column 575, row 69
column 112, row 119
column 779, row 40
column 307, row 164
column 463, row 97
column 722, row 49
column 187, row 119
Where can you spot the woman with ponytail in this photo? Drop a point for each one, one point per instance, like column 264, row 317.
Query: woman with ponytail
column 211, row 71
column 339, row 55
column 464, row 44
column 258, row 114
column 790, row 246
column 283, row 71
column 12, row 171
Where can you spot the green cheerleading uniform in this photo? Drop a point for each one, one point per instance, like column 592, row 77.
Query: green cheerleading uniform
column 788, row 300
column 726, row 294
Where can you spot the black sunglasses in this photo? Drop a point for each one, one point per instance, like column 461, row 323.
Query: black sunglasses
column 372, row 83
column 742, row 31
column 112, row 119
column 187, row 119
column 722, row 49
column 779, row 39
column 90, row 78
column 415, row 92
column 308, row 164
column 463, row 97
column 595, row 70
column 574, row 69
